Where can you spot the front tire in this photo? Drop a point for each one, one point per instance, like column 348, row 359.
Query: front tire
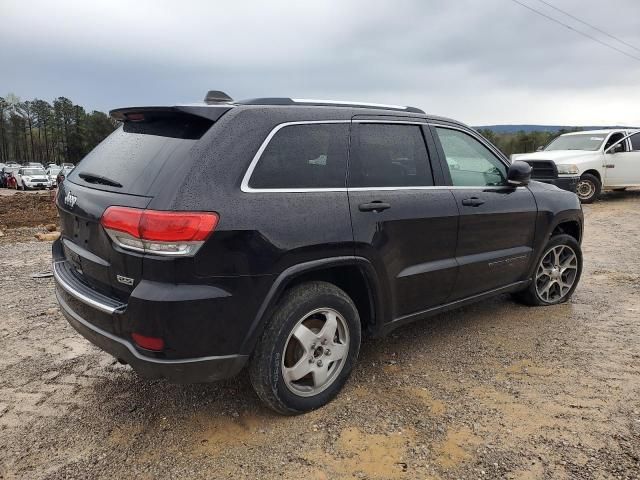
column 307, row 350
column 589, row 188
column 557, row 273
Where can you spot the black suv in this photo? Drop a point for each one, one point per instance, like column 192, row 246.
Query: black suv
column 276, row 233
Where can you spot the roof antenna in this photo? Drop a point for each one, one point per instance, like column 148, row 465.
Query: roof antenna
column 215, row 96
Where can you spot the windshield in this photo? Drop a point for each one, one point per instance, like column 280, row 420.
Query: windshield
column 33, row 171
column 587, row 141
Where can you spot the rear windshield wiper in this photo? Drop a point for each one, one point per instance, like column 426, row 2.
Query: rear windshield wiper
column 92, row 178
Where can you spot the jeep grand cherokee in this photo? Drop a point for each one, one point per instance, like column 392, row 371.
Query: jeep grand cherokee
column 275, row 233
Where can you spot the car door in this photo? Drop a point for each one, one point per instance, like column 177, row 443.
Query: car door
column 402, row 222
column 622, row 165
column 497, row 221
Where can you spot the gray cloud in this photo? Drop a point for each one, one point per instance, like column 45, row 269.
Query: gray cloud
column 480, row 62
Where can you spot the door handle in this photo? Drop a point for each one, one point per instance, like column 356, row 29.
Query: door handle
column 375, row 206
column 472, row 202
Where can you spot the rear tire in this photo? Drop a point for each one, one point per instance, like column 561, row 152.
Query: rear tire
column 589, row 188
column 557, row 273
column 307, row 350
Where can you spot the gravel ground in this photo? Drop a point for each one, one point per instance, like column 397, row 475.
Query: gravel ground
column 496, row 390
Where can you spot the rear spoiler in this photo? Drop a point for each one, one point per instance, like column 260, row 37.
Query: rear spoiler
column 211, row 112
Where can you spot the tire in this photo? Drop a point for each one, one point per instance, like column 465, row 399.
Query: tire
column 589, row 188
column 309, row 305
column 556, row 293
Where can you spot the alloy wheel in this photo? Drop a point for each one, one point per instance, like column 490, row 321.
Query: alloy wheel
column 315, row 352
column 556, row 273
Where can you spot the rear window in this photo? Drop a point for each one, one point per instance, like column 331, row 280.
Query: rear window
column 133, row 155
column 304, row 156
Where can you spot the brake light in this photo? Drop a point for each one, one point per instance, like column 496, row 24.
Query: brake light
column 148, row 343
column 159, row 232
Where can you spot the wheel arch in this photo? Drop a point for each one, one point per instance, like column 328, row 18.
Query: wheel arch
column 569, row 227
column 355, row 275
column 594, row 172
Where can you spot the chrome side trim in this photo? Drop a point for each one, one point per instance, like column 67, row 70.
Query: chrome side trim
column 78, row 295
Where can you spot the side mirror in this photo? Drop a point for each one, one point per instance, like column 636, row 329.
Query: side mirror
column 618, row 148
column 540, row 148
column 519, row 174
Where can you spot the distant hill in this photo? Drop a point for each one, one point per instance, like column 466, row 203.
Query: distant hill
column 540, row 128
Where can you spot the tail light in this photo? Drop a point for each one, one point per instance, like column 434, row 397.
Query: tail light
column 158, row 232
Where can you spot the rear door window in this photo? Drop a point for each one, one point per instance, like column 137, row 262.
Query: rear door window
column 388, row 155
column 635, row 142
column 133, row 155
column 307, row 156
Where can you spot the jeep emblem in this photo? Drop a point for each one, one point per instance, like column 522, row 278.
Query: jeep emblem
column 70, row 199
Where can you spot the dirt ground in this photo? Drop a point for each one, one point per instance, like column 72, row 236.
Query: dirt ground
column 26, row 209
column 496, row 390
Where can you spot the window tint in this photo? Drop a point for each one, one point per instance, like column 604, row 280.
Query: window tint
column 384, row 155
column 635, row 142
column 304, row 156
column 134, row 154
column 471, row 164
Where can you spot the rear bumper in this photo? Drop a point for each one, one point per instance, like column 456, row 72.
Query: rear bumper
column 565, row 183
column 204, row 326
column 190, row 370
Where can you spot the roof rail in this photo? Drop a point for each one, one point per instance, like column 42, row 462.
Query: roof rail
column 325, row 103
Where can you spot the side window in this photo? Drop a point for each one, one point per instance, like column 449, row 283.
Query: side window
column 304, row 156
column 386, row 155
column 470, row 163
column 615, row 138
column 635, row 142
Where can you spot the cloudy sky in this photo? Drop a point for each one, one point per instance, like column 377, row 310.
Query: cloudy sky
column 482, row 62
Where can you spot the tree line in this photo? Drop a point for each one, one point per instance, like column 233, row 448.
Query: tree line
column 521, row 142
column 39, row 131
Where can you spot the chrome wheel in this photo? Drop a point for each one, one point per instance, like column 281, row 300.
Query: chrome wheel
column 585, row 189
column 315, row 352
column 556, row 273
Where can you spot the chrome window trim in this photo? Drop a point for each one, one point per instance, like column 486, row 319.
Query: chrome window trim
column 244, row 186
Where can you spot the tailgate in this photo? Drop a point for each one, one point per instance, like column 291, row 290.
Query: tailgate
column 87, row 247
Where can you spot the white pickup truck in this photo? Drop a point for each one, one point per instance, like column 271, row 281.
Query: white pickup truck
column 597, row 160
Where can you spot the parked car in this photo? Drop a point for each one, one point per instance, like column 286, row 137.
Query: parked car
column 200, row 239
column 593, row 161
column 31, row 177
column 7, row 177
column 62, row 174
column 52, row 175
column 34, row 165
